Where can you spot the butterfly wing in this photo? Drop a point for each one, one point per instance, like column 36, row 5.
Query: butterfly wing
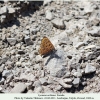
column 46, row 46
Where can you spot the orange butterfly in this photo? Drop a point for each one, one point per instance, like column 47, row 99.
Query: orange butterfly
column 46, row 46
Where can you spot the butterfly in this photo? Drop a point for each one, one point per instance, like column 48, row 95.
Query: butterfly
column 46, row 46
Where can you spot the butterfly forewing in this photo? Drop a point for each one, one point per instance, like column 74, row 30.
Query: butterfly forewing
column 46, row 46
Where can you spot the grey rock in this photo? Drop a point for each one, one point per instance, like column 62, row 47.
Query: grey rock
column 28, row 40
column 92, row 55
column 63, row 83
column 77, row 74
column 1, row 88
column 95, row 32
column 2, row 80
column 98, row 58
column 43, row 81
column 3, row 10
column 58, row 87
column 84, row 83
column 29, row 77
column 67, row 75
column 48, row 90
column 76, row 82
column 11, row 41
column 6, row 73
column 30, row 91
column 37, row 67
column 11, row 10
column 58, row 23
column 49, row 15
column 34, row 30
column 89, row 69
column 56, row 63
column 1, row 70
column 19, row 88
column 29, row 85
column 3, row 18
column 38, row 89
column 37, row 83
column 26, row 32
column 67, row 80
column 46, row 2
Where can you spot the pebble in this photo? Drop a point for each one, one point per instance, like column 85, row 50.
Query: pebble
column 11, row 10
column 45, row 2
column 95, row 32
column 11, row 41
column 29, row 77
column 2, row 80
column 58, row 23
column 38, row 89
column 49, row 15
column 43, row 81
column 89, row 69
column 28, row 40
column 76, row 82
column 6, row 73
column 37, row 83
column 77, row 74
column 63, row 83
column 19, row 88
column 3, row 10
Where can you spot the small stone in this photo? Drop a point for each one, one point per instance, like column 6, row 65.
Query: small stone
column 67, row 80
column 58, row 23
column 1, row 69
column 18, row 64
column 29, row 77
column 98, row 58
column 11, row 41
column 89, row 69
column 29, row 85
column 49, row 15
column 76, row 82
column 26, row 32
column 19, row 88
column 11, row 10
column 84, row 83
column 77, row 74
column 30, row 91
column 37, row 83
column 3, row 10
column 58, row 88
column 1, row 88
column 6, row 73
column 2, row 80
column 43, row 81
column 45, row 2
column 63, row 83
column 3, row 18
column 28, row 40
column 38, row 89
column 95, row 32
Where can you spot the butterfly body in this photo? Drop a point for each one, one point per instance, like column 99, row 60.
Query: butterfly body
column 46, row 46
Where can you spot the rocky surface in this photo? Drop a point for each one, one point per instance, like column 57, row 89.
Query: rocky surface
column 74, row 30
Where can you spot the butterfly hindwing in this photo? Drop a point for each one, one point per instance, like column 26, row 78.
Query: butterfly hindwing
column 46, row 46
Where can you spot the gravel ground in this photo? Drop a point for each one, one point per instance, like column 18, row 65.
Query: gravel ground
column 74, row 30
